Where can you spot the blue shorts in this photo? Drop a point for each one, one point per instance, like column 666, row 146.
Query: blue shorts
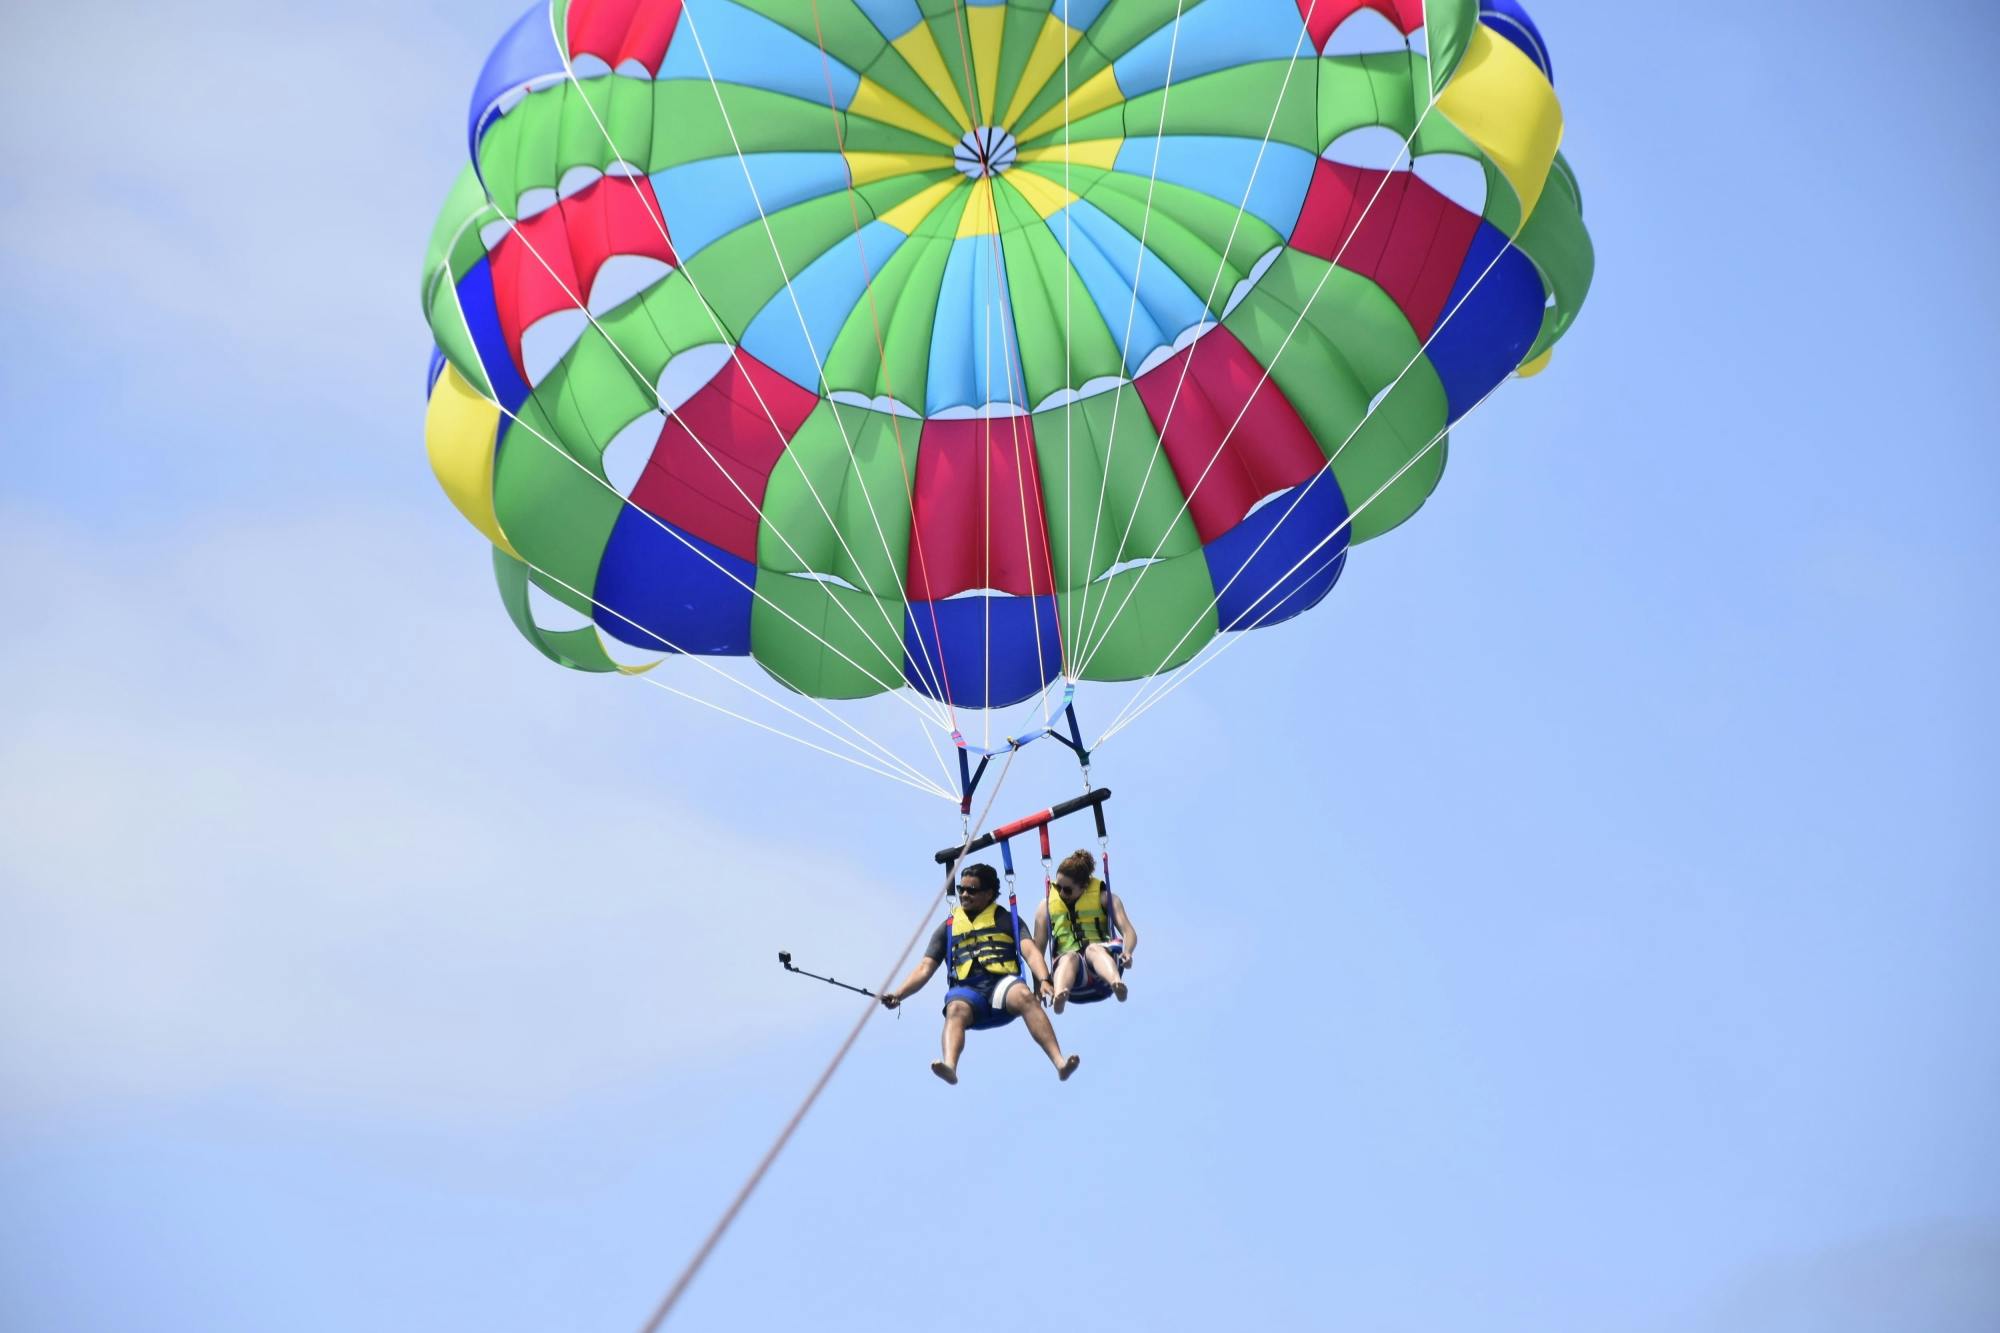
column 987, row 996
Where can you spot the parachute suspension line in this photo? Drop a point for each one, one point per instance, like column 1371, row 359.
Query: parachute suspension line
column 1331, row 458
column 1175, row 679
column 735, row 355
column 800, row 740
column 916, row 777
column 984, row 183
column 1069, row 376
column 819, row 366
column 1131, row 311
column 1130, row 713
column 1187, row 500
column 934, row 671
column 986, row 497
column 1264, row 376
column 763, row 1167
column 1008, row 353
column 1007, row 356
column 936, row 719
column 1208, row 307
column 1345, row 524
column 1379, row 491
column 668, row 528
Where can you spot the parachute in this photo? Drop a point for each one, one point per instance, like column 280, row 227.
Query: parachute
column 969, row 352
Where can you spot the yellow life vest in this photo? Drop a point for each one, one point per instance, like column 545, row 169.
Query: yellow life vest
column 1092, row 913
column 981, row 943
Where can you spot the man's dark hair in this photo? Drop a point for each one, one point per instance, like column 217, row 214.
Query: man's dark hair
column 988, row 877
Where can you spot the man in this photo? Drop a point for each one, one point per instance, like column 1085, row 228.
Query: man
column 1075, row 923
column 986, row 988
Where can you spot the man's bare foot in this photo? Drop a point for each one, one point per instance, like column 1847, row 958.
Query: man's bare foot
column 948, row 1074
column 1062, row 998
column 1068, row 1067
column 1118, row 989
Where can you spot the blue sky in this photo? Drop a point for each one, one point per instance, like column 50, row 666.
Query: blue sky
column 1580, row 922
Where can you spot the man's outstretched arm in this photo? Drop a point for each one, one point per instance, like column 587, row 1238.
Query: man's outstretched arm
column 919, row 977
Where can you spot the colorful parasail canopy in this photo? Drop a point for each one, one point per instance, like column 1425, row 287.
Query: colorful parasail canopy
column 969, row 348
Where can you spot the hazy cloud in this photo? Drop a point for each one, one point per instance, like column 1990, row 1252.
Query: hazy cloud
column 1942, row 1278
column 264, row 824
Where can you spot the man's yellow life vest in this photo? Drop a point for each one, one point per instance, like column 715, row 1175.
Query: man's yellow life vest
column 1092, row 913
column 981, row 943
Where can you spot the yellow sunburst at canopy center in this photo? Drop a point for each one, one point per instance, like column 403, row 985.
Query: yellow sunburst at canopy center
column 1001, row 99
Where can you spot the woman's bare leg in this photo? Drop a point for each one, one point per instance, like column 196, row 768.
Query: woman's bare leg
column 1064, row 979
column 1106, row 967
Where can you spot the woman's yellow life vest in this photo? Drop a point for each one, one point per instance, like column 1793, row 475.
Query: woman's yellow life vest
column 1092, row 913
column 981, row 943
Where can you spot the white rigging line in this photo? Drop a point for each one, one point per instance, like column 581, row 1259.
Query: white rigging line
column 534, row 394
column 1195, row 665
column 1187, row 364
column 932, row 671
column 805, row 332
column 573, row 461
column 983, row 183
column 664, row 526
column 1265, row 370
column 986, row 488
column 1069, row 364
column 1007, row 355
column 909, row 777
column 1131, row 310
column 1021, row 482
column 938, row 718
column 701, row 659
column 1298, row 497
column 914, row 778
column 1160, row 692
column 1009, row 351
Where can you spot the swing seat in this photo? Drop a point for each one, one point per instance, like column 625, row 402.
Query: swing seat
column 1098, row 989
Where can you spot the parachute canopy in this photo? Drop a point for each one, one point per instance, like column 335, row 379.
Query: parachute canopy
column 967, row 347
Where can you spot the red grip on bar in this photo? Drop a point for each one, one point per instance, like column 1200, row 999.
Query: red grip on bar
column 1045, row 842
column 1039, row 819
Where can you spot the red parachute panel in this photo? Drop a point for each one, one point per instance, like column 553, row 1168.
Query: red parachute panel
column 534, row 275
column 616, row 31
column 1323, row 16
column 979, row 513
column 618, row 215
column 1226, row 465
column 714, row 457
column 548, row 262
column 1411, row 240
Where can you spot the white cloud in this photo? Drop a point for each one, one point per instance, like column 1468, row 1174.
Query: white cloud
column 264, row 179
column 261, row 826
